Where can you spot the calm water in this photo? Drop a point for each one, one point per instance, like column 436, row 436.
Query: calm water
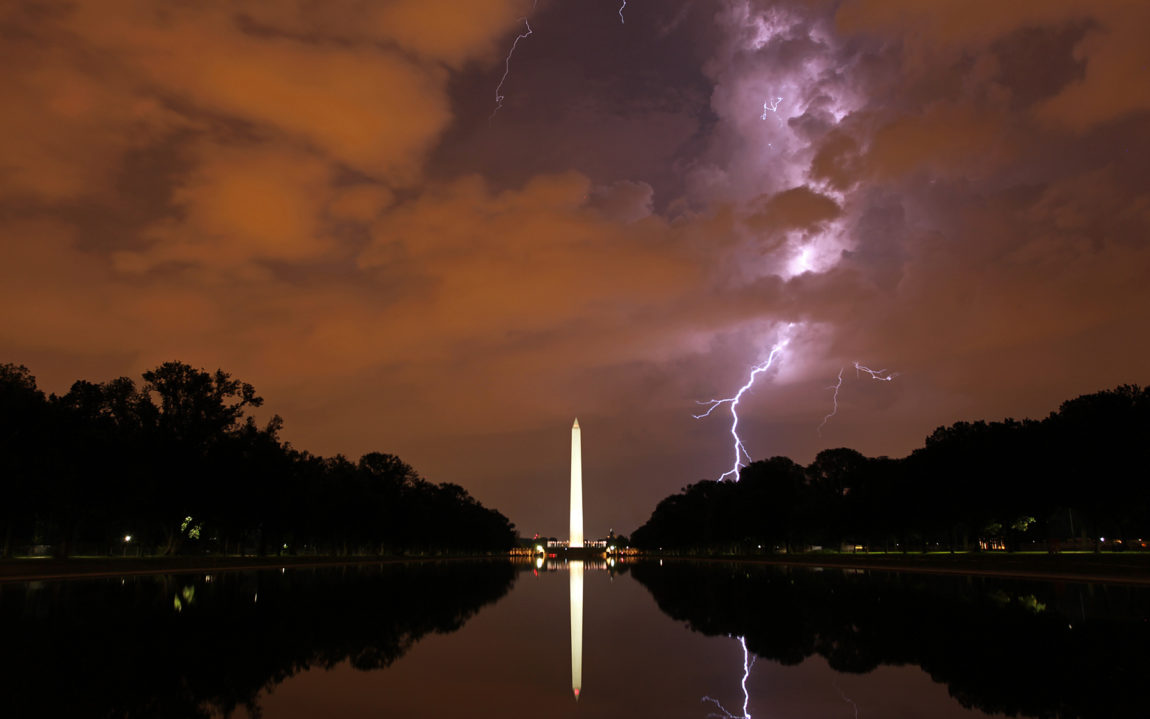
column 496, row 640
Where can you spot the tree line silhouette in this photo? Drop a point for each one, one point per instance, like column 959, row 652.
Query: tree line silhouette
column 176, row 465
column 1014, row 648
column 199, row 646
column 1076, row 478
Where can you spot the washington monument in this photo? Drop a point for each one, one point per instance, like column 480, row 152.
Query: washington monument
column 576, row 538
column 576, row 567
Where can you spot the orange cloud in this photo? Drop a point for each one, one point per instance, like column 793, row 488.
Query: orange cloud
column 362, row 84
column 525, row 260
column 1115, row 52
column 946, row 138
column 241, row 204
column 367, row 107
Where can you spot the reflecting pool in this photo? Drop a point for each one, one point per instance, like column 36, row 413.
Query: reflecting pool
column 579, row 639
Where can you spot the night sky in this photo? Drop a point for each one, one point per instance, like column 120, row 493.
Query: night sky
column 315, row 197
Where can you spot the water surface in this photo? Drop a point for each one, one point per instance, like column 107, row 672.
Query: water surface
column 491, row 639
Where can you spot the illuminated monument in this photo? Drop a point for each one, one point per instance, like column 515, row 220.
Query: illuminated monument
column 576, row 539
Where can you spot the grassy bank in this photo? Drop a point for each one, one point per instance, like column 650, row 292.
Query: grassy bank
column 34, row 568
column 1118, row 567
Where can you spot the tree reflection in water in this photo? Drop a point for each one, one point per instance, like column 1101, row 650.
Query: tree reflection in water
column 193, row 646
column 1013, row 647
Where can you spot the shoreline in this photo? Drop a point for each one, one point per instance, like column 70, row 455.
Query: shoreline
column 1088, row 568
column 1119, row 568
column 36, row 569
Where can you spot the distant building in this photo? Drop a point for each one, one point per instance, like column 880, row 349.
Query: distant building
column 564, row 544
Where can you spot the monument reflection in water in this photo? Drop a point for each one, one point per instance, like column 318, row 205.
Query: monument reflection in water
column 575, row 577
column 576, row 569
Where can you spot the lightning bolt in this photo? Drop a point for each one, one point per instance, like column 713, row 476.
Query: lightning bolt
column 771, row 105
column 879, row 374
column 748, row 662
column 835, row 398
column 507, row 66
column 845, row 697
column 499, row 96
column 733, row 402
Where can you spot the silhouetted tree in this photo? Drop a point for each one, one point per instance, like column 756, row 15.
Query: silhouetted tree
column 24, row 414
column 198, row 411
column 179, row 465
column 1006, row 481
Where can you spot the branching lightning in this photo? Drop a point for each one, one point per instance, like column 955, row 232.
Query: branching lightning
column 733, row 402
column 507, row 66
column 499, row 96
column 748, row 662
column 771, row 105
column 846, row 698
column 882, row 375
column 879, row 374
column 835, row 399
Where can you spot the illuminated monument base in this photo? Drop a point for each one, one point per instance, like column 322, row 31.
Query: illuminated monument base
column 594, row 549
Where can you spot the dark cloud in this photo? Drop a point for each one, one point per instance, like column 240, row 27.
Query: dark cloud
column 796, row 208
column 623, row 201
